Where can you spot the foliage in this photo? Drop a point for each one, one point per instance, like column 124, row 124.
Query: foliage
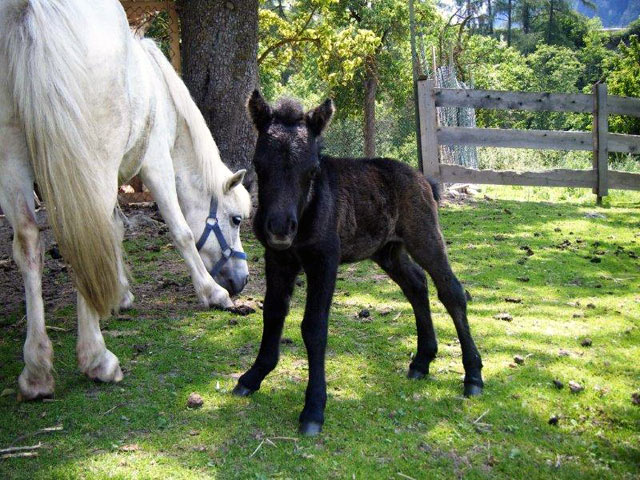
column 623, row 78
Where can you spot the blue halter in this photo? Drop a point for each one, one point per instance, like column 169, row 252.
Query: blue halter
column 212, row 225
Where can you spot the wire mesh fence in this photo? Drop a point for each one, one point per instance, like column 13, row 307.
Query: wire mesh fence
column 445, row 77
column 158, row 20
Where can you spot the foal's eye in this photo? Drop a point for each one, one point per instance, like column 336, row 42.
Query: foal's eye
column 237, row 220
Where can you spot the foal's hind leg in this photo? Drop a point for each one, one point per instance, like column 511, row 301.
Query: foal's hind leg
column 395, row 261
column 425, row 244
column 16, row 199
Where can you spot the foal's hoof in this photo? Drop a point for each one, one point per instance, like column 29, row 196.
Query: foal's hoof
column 471, row 390
column 241, row 391
column 415, row 374
column 310, row 429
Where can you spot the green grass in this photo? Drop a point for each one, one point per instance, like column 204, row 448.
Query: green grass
column 379, row 424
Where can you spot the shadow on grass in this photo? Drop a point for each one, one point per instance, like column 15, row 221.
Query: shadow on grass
column 378, row 422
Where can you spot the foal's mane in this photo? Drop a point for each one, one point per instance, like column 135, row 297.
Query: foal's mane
column 288, row 111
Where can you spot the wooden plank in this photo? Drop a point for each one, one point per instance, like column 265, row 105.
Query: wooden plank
column 428, row 126
column 547, row 178
column 499, row 100
column 624, row 106
column 600, row 139
column 145, row 5
column 624, row 180
column 497, row 137
column 618, row 142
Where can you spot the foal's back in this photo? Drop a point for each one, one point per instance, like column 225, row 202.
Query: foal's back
column 378, row 200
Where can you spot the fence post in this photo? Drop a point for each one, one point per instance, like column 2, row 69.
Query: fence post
column 428, row 129
column 600, row 140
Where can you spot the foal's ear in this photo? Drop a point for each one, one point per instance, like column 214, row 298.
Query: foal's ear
column 318, row 119
column 234, row 180
column 259, row 110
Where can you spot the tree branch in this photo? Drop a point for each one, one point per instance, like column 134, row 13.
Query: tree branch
column 294, row 39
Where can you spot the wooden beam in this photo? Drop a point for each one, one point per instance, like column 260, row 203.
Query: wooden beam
column 497, row 137
column 623, row 106
column 428, row 125
column 536, row 139
column 600, row 139
column 621, row 143
column 146, row 5
column 624, row 180
column 493, row 99
column 547, row 178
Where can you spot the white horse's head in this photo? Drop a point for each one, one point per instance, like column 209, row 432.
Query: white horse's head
column 218, row 239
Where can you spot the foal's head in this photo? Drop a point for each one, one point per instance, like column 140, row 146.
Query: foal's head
column 286, row 161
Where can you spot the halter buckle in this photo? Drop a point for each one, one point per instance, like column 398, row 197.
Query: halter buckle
column 212, row 221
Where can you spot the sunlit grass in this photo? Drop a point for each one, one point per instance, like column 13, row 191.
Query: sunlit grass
column 379, row 423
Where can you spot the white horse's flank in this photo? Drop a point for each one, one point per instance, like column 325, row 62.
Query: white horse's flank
column 84, row 106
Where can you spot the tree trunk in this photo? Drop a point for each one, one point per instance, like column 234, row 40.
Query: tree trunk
column 509, row 12
column 526, row 17
column 219, row 50
column 370, row 90
column 550, row 26
column 490, row 12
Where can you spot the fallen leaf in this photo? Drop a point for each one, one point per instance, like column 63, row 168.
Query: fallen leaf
column 194, row 400
column 503, row 316
column 575, row 387
column 133, row 447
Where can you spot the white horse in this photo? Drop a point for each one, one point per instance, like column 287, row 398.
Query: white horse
column 84, row 106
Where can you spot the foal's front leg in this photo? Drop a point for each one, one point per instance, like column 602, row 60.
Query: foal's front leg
column 321, row 269
column 281, row 271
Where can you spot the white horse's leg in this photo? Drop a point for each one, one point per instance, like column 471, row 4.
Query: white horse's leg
column 94, row 359
column 127, row 298
column 16, row 199
column 158, row 175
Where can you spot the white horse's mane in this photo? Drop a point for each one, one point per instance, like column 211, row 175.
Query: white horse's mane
column 207, row 161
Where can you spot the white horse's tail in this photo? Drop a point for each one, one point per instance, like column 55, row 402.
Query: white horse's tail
column 43, row 48
column 207, row 157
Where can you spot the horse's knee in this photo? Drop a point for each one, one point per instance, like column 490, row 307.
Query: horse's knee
column 27, row 249
column 451, row 293
column 184, row 238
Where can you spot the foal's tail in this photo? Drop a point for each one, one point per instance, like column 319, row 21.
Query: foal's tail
column 42, row 46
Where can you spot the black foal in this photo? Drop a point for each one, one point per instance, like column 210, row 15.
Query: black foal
column 316, row 212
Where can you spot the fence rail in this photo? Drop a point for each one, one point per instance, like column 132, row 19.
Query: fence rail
column 599, row 140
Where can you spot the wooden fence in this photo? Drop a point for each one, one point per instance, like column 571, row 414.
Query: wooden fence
column 140, row 13
column 599, row 140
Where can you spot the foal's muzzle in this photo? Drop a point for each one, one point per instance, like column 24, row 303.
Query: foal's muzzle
column 281, row 229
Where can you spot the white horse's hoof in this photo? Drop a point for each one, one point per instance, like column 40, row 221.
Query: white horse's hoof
column 106, row 369
column 127, row 301
column 216, row 296
column 34, row 387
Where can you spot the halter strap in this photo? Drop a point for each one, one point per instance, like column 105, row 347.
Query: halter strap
column 212, row 225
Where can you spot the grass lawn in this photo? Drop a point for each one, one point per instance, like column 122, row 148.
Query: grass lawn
column 513, row 245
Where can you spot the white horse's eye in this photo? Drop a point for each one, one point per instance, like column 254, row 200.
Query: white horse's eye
column 237, row 220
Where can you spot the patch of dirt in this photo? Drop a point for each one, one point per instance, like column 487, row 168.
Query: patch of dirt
column 162, row 294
